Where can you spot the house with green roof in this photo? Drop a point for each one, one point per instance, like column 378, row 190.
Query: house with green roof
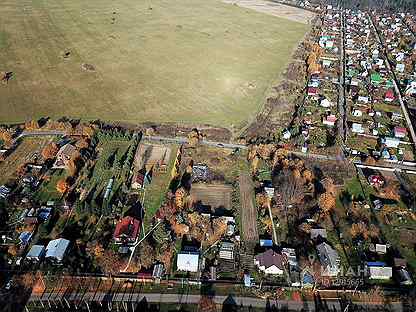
column 375, row 78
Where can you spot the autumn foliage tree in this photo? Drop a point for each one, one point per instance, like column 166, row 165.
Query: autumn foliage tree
column 62, row 186
column 6, row 136
column 50, row 151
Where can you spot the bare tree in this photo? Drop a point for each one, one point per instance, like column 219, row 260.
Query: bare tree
column 290, row 192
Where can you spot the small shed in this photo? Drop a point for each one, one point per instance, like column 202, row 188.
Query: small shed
column 36, row 253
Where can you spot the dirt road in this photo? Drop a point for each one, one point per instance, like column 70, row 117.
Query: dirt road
column 248, row 209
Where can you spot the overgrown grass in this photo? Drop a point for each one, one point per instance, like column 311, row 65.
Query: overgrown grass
column 184, row 61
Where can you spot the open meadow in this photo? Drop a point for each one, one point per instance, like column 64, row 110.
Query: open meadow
column 134, row 61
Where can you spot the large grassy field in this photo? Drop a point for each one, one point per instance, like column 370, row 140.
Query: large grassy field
column 199, row 61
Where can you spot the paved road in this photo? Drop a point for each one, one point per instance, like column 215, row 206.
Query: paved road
column 52, row 299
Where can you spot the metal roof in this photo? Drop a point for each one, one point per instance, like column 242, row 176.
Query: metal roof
column 56, row 248
column 188, row 261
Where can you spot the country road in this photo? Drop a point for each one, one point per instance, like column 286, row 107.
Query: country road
column 77, row 299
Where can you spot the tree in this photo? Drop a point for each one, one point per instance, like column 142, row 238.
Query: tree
column 181, row 195
column 179, row 229
column 83, row 143
column 6, row 136
column 110, row 262
column 308, row 175
column 165, row 256
column 207, row 304
column 290, row 191
column 327, row 202
column 359, row 230
column 50, row 151
column 74, row 164
column 31, row 125
column 62, row 186
column 146, row 254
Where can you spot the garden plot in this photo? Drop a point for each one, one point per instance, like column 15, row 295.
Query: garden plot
column 151, row 155
column 211, row 196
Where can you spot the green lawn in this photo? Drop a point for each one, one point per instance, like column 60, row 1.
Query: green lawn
column 156, row 191
column 47, row 191
column 182, row 61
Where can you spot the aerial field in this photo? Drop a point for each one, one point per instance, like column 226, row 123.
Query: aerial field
column 134, row 61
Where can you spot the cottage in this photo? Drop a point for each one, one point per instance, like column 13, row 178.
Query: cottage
column 400, row 132
column 158, row 271
column 400, row 68
column 391, row 142
column 330, row 120
column 36, row 253
column 312, row 91
column 188, row 261
column 64, row 156
column 389, row 96
column 266, row 242
column 357, row 113
column 379, row 271
column 4, row 191
column 363, row 99
column 270, row 262
column 325, row 103
column 56, row 249
column 329, row 259
column 357, row 128
column 127, row 230
column 375, row 78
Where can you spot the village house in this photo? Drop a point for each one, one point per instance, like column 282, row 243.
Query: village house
column 329, row 259
column 378, row 271
column 400, row 132
column 270, row 262
column 188, row 261
column 56, row 250
column 329, row 120
column 127, row 230
column 64, row 156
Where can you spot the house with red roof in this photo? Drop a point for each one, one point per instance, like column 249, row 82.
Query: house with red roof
column 127, row 230
column 389, row 96
column 330, row 120
column 400, row 132
column 312, row 91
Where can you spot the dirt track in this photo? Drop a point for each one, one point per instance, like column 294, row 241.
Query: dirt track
column 275, row 9
column 248, row 209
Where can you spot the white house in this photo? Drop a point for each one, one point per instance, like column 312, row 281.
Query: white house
column 357, row 128
column 378, row 271
column 188, row 261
